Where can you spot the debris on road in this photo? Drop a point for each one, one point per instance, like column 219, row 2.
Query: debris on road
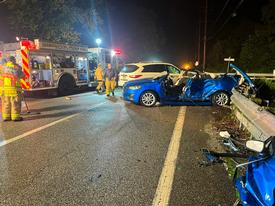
column 96, row 178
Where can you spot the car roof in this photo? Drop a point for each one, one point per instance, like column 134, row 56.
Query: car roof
column 140, row 64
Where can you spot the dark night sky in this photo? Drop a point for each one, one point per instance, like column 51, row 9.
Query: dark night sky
column 176, row 20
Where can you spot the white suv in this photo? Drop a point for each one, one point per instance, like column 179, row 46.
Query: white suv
column 147, row 70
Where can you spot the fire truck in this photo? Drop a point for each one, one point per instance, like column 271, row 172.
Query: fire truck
column 54, row 66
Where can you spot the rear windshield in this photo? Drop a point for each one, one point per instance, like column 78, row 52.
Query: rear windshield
column 129, row 68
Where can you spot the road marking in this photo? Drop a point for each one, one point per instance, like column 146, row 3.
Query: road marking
column 165, row 183
column 26, row 134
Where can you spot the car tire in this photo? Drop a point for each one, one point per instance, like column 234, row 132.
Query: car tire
column 220, row 98
column 148, row 99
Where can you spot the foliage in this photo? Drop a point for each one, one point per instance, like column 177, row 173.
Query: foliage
column 266, row 89
column 53, row 20
column 251, row 43
column 258, row 53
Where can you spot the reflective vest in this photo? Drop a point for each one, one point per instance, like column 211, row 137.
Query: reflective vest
column 10, row 79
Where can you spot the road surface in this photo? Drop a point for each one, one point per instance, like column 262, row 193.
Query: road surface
column 90, row 150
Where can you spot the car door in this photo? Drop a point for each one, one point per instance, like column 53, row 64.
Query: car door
column 197, row 89
column 174, row 73
column 152, row 70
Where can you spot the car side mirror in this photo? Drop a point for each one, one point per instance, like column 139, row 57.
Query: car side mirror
column 254, row 145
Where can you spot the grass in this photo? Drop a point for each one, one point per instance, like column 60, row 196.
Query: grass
column 270, row 107
column 230, row 167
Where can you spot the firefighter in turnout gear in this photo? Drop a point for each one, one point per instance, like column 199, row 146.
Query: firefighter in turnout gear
column 110, row 80
column 99, row 78
column 10, row 88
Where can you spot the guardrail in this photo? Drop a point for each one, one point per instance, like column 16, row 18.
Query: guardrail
column 259, row 122
column 255, row 75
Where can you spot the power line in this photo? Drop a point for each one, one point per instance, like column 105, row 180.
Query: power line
column 233, row 14
column 223, row 9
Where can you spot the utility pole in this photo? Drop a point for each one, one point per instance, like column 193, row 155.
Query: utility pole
column 199, row 39
column 205, row 36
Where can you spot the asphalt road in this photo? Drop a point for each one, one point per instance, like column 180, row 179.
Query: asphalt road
column 90, row 150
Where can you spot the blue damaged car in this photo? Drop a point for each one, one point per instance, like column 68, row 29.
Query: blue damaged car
column 200, row 89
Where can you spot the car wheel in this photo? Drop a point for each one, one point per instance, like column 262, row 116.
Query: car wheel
column 148, row 99
column 66, row 85
column 220, row 99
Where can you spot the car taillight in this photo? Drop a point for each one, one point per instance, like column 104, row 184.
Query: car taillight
column 135, row 76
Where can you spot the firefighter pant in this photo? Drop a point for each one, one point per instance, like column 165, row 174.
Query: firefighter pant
column 99, row 85
column 110, row 85
column 11, row 107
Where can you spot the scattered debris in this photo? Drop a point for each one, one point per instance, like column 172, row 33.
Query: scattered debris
column 228, row 142
column 209, row 158
column 224, row 134
column 94, row 179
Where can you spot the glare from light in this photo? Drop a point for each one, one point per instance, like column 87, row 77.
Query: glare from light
column 98, row 41
column 17, row 38
column 197, row 63
column 186, row 66
column 113, row 53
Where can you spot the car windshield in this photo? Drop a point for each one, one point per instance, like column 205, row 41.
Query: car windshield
column 129, row 68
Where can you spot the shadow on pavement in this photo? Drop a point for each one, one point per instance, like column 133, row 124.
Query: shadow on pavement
column 52, row 108
column 29, row 117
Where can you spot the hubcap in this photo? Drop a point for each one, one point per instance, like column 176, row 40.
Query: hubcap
column 148, row 99
column 221, row 99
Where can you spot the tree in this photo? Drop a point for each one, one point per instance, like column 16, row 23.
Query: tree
column 53, row 20
column 258, row 50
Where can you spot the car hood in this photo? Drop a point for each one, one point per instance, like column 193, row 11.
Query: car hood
column 245, row 76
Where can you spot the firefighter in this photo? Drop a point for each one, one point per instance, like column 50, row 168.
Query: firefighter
column 10, row 87
column 110, row 80
column 99, row 78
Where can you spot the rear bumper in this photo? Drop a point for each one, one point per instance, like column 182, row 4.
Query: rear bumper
column 121, row 83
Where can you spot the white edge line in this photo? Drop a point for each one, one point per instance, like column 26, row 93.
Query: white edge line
column 162, row 195
column 11, row 140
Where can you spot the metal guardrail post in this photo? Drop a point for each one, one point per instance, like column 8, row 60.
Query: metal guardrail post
column 260, row 123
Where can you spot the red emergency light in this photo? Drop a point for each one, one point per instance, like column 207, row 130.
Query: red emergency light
column 27, row 44
column 117, row 51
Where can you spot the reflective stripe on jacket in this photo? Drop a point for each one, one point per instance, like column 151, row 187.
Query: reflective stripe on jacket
column 10, row 82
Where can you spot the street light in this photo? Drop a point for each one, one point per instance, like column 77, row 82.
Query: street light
column 98, row 42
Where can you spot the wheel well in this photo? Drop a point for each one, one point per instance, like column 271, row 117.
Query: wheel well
column 224, row 91
column 64, row 75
